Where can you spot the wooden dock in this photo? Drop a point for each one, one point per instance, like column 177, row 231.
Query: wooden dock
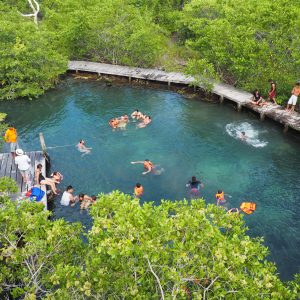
column 9, row 169
column 224, row 91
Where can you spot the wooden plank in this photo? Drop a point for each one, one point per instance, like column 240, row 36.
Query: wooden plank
column 9, row 168
column 3, row 164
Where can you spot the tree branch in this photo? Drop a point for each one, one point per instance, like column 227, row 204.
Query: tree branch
column 157, row 279
column 35, row 8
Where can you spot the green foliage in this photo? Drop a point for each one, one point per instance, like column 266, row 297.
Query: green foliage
column 2, row 116
column 178, row 249
column 8, row 185
column 247, row 42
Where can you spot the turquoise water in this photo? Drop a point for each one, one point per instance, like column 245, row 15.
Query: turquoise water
column 186, row 137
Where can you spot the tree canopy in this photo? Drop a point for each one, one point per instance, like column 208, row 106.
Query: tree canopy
column 175, row 250
column 240, row 42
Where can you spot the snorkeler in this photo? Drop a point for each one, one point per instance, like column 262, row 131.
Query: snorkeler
column 82, row 148
column 194, row 186
column 149, row 166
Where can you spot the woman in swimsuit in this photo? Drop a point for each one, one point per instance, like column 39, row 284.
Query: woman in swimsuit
column 40, row 179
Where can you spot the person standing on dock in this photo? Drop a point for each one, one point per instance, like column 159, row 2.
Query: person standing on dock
column 272, row 92
column 23, row 162
column 293, row 100
column 11, row 137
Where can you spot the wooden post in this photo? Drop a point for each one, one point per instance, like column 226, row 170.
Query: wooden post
column 239, row 106
column 44, row 148
column 262, row 116
column 195, row 88
column 169, row 84
column 76, row 71
column 221, row 99
column 99, row 74
column 129, row 79
column 286, row 128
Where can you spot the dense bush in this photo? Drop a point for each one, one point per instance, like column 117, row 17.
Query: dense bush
column 175, row 249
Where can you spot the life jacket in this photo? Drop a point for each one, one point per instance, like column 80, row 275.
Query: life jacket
column 248, row 207
column 138, row 191
column 148, row 165
column 11, row 135
column 220, row 196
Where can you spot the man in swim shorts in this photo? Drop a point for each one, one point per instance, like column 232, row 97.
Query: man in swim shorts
column 11, row 137
column 293, row 99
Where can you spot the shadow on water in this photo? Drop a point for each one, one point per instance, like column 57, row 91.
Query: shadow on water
column 187, row 137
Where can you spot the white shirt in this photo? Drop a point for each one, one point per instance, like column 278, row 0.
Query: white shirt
column 65, row 199
column 23, row 162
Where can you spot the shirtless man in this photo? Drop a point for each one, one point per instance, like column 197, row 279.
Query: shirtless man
column 149, row 167
column 136, row 114
column 82, row 148
column 293, row 100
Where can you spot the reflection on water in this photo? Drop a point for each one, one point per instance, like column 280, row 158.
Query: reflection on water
column 186, row 138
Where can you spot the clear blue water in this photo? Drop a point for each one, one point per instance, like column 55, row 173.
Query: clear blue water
column 187, row 137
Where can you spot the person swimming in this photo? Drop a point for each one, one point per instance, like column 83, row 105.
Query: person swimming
column 149, row 167
column 243, row 136
column 57, row 177
column 194, row 186
column 136, row 114
column 220, row 197
column 146, row 121
column 82, row 148
column 138, row 190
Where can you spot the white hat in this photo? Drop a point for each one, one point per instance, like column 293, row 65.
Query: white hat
column 19, row 152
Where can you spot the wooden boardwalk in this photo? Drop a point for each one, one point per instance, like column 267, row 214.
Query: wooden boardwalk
column 224, row 91
column 9, row 169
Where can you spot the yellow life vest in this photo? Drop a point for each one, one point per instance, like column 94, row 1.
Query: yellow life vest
column 11, row 135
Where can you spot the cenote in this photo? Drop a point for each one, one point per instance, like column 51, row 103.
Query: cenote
column 187, row 137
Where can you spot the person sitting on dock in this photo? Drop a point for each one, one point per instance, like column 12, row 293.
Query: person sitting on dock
column 23, row 162
column 272, row 91
column 149, row 166
column 57, row 177
column 82, row 148
column 136, row 114
column 11, row 137
column 41, row 180
column 293, row 99
column 194, row 186
column 67, row 197
column 257, row 98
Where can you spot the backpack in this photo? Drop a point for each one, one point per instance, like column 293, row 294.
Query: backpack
column 36, row 194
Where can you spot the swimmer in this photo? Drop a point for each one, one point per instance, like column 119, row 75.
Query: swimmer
column 82, row 148
column 150, row 167
column 233, row 210
column 194, row 186
column 57, row 177
column 94, row 198
column 220, row 197
column 243, row 136
column 146, row 121
column 85, row 201
column 138, row 190
column 136, row 114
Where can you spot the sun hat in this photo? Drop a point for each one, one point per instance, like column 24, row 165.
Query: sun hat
column 19, row 152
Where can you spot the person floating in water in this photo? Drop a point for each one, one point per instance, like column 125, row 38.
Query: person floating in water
column 194, row 187
column 85, row 201
column 67, row 197
column 82, row 148
column 120, row 122
column 145, row 122
column 149, row 167
column 136, row 115
column 138, row 190
column 220, row 197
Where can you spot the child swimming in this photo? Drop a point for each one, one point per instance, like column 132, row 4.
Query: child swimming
column 82, row 148
column 150, row 167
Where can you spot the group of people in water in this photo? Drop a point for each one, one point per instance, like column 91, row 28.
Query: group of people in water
column 260, row 101
column 121, row 122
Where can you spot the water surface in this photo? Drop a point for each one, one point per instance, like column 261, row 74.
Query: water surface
column 187, row 137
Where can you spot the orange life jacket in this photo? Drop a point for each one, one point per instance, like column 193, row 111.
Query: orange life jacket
column 148, row 165
column 138, row 191
column 248, row 207
column 11, row 135
column 220, row 196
